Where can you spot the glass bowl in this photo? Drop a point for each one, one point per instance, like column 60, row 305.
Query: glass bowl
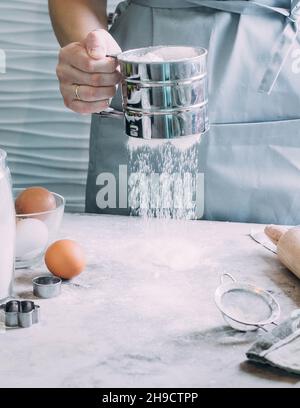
column 35, row 232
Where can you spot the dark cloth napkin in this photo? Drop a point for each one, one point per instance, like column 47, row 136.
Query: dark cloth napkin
column 281, row 346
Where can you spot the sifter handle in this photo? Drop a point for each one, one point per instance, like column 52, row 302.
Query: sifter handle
column 226, row 275
column 111, row 113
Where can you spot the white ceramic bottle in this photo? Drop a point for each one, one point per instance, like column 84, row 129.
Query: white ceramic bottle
column 7, row 230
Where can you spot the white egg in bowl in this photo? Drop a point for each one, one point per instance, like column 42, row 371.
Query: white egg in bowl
column 35, row 231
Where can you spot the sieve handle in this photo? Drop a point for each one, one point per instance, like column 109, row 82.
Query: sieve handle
column 113, row 55
column 226, row 275
column 111, row 113
column 264, row 328
column 259, row 326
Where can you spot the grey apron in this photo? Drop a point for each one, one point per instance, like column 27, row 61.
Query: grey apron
column 251, row 156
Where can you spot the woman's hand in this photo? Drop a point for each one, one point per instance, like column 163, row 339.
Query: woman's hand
column 87, row 77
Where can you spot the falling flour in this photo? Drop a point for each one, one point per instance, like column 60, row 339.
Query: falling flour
column 163, row 177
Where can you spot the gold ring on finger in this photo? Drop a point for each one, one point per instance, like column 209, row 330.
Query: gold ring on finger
column 77, row 94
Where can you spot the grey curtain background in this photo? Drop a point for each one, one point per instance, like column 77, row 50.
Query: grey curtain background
column 46, row 144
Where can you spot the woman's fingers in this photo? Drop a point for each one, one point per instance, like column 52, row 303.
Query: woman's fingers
column 88, row 93
column 87, row 107
column 92, row 93
column 87, row 77
column 87, row 99
column 75, row 55
column 94, row 44
column 70, row 75
column 99, row 42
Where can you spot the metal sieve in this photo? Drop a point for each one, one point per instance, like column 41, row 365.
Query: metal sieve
column 246, row 307
column 164, row 99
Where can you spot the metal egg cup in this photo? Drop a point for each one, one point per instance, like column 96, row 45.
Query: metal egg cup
column 46, row 286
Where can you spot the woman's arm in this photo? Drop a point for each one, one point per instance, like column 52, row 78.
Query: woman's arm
column 72, row 20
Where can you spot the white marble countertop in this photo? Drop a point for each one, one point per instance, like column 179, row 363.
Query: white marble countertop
column 143, row 313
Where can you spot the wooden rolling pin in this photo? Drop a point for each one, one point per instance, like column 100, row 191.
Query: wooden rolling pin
column 288, row 246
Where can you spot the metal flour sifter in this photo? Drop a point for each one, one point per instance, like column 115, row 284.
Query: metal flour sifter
column 164, row 92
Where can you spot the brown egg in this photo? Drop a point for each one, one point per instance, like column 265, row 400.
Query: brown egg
column 65, row 259
column 35, row 200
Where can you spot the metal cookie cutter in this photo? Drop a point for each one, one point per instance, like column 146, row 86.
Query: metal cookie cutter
column 23, row 313
column 46, row 286
column 246, row 307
